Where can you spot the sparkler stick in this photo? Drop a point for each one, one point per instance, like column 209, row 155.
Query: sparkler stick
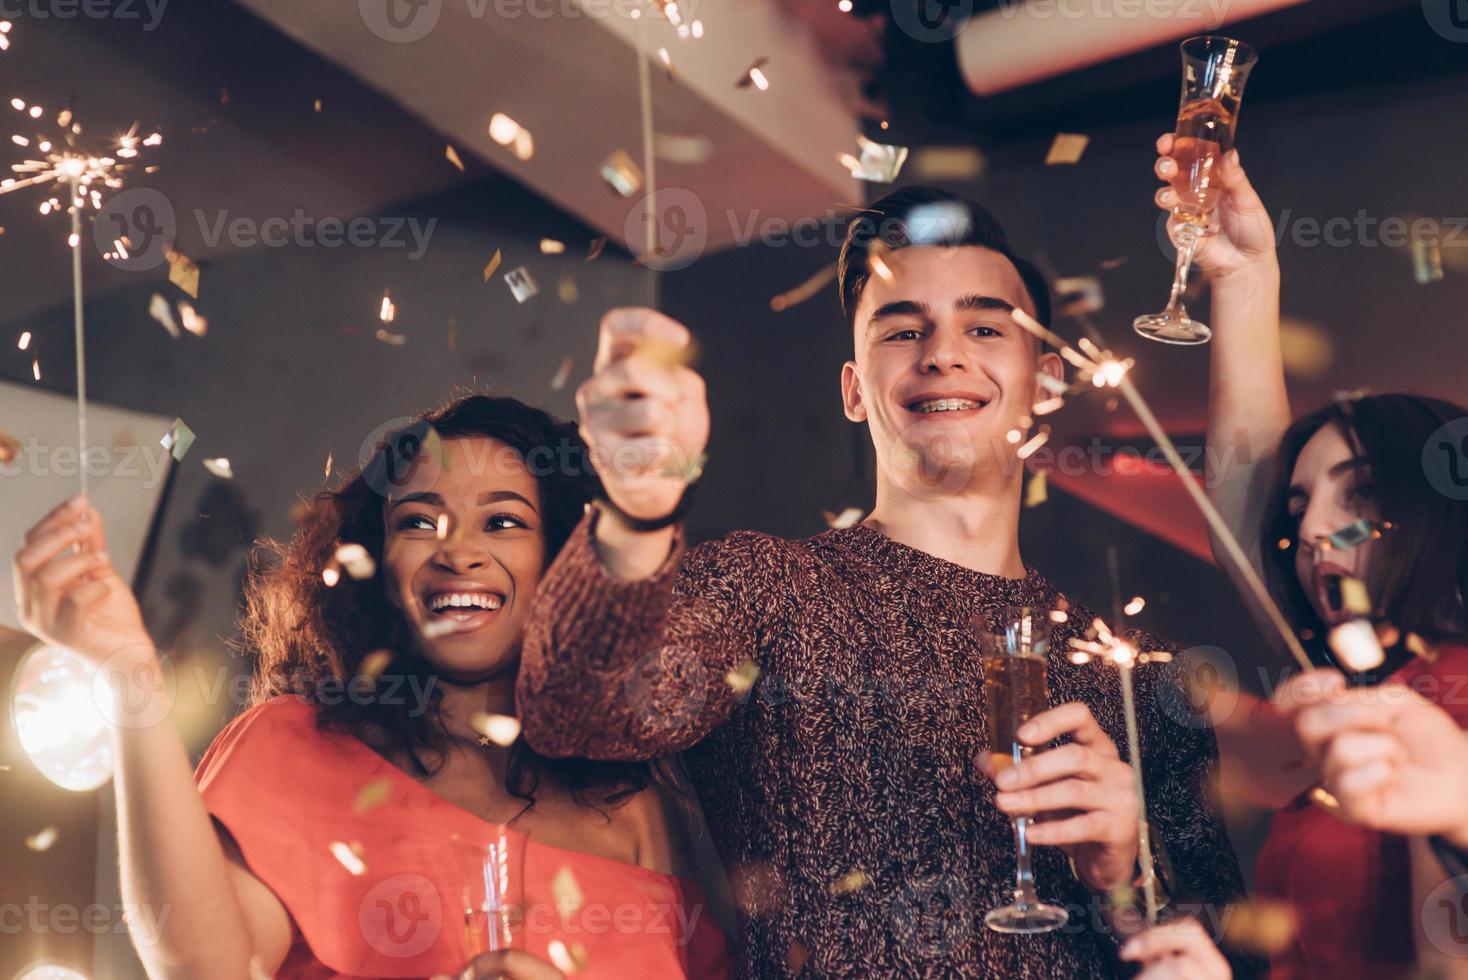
column 649, row 161
column 80, row 329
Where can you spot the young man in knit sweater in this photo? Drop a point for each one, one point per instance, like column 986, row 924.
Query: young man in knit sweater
column 848, row 790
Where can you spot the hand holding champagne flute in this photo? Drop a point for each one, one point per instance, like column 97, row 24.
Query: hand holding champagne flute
column 1214, row 72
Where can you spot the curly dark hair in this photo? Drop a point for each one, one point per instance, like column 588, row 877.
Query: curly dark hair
column 305, row 635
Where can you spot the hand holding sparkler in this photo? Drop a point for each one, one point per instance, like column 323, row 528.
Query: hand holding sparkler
column 1083, row 789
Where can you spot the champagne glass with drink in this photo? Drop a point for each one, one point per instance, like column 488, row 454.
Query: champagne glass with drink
column 1214, row 72
column 1016, row 648
column 491, row 898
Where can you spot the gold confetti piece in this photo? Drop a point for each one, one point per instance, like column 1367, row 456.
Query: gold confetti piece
column 502, row 730
column 667, row 61
column 1067, row 148
column 550, row 246
column 597, row 246
column 25, row 340
column 522, row 284
column 328, row 465
column 804, row 291
column 568, row 959
column 183, row 273
column 566, row 893
column 453, row 337
column 1306, row 347
column 879, row 163
column 317, row 105
column 1116, row 263
column 1419, row 647
column 1427, row 261
column 741, row 679
column 563, row 375
column 350, row 857
column 9, row 448
column 1037, row 491
column 1135, row 606
column 1078, row 296
column 443, row 527
column 193, row 322
column 881, row 263
column 452, row 155
column 438, row 627
column 1353, row 534
column 846, row 518
column 160, row 310
column 506, row 132
column 178, row 439
column 567, row 290
column 669, row 354
column 390, row 338
column 1388, row 634
column 41, row 841
column 494, row 263
column 1260, row 926
column 690, row 150
column 220, row 467
column 948, row 163
column 357, row 562
column 1355, row 645
column 852, row 882
column 331, row 575
column 1047, row 406
column 387, row 312
column 621, row 173
column 753, row 75
column 1354, row 596
column 1036, row 441
column 375, row 663
column 1055, row 386
column 373, row 795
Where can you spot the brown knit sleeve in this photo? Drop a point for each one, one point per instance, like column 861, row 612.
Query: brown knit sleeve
column 635, row 670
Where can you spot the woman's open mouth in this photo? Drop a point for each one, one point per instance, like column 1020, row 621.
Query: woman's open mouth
column 1330, row 594
column 461, row 612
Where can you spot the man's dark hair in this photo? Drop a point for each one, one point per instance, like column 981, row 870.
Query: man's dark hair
column 946, row 220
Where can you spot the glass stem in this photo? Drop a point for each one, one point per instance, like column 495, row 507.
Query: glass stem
column 1188, row 245
column 1024, row 877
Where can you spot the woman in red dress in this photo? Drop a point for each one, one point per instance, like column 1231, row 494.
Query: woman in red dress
column 327, row 831
column 1360, row 896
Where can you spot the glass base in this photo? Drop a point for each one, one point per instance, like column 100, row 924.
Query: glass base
column 1038, row 917
column 1172, row 328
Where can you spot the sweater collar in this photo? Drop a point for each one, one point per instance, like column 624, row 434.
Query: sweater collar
column 910, row 563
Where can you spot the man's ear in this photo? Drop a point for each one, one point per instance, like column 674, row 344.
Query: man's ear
column 851, row 397
column 1050, row 363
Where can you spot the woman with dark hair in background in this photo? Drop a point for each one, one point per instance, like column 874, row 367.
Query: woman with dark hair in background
column 1333, row 505
column 320, row 840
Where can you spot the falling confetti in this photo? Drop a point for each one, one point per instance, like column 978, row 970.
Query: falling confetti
column 373, row 795
column 36, row 368
column 502, row 730
column 1078, row 296
column 390, row 338
column 691, row 150
column 954, row 163
column 9, row 448
column 316, row 105
column 846, row 518
column 566, row 893
column 1356, row 533
column 375, row 663
column 1260, row 926
column 41, row 841
column 192, row 321
column 753, row 75
column 551, row 246
column 597, row 246
column 622, row 173
column 350, row 857
column 878, row 163
column 357, row 562
column 506, row 132
column 25, row 340
column 850, row 883
column 452, row 155
column 494, row 263
column 1356, row 645
column 331, row 575
column 160, row 310
column 220, row 467
column 1067, row 148
column 1354, row 596
column 521, row 284
column 178, row 438
column 742, row 678
column 1136, row 605
column 563, row 375
column 1427, row 261
column 567, row 290
column 1035, row 442
column 328, row 465
column 804, row 291
column 442, row 531
column 388, row 312
column 568, row 959
column 183, row 272
column 1037, row 490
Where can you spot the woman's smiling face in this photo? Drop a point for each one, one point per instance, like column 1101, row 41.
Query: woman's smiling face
column 463, row 552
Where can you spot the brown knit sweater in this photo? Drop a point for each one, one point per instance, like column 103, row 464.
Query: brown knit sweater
column 859, row 835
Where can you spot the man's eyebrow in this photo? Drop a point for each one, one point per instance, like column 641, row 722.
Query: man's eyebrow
column 900, row 307
column 976, row 302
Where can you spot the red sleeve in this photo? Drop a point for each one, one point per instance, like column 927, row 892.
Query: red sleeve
column 637, row 670
column 286, row 793
column 1443, row 681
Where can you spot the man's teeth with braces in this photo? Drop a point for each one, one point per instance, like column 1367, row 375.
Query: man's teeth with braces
column 459, row 600
column 946, row 405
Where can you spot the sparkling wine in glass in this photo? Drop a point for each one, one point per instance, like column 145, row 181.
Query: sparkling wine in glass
column 1214, row 72
column 1016, row 645
column 491, row 895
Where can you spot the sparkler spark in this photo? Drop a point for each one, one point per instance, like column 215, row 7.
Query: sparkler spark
column 63, row 159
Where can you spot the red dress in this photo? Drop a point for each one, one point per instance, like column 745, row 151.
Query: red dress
column 1350, row 886
column 288, row 793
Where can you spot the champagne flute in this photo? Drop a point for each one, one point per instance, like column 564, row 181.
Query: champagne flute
column 1015, row 651
column 1214, row 72
column 491, row 895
